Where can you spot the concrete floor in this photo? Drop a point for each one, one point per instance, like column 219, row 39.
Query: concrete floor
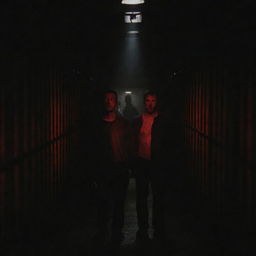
column 70, row 229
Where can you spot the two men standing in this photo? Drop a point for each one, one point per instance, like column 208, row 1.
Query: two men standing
column 118, row 144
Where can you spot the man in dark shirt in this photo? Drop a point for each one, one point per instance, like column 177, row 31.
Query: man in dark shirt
column 151, row 147
column 111, row 151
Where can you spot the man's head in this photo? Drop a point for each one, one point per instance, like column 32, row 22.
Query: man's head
column 110, row 101
column 150, row 102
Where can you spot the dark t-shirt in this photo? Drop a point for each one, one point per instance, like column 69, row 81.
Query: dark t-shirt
column 109, row 145
column 116, row 136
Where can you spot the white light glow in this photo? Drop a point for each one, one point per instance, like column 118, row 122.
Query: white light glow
column 132, row 1
column 132, row 12
column 133, row 32
column 128, row 92
column 133, row 17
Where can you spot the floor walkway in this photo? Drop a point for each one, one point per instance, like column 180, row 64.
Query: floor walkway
column 70, row 230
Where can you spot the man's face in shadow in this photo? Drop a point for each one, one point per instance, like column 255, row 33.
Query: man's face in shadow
column 150, row 103
column 110, row 102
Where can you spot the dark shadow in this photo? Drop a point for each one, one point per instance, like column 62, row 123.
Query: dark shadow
column 129, row 111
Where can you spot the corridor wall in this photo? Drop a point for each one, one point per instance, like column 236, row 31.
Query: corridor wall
column 220, row 139
column 39, row 102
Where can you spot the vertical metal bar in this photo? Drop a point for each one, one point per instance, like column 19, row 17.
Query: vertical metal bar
column 253, row 151
column 69, row 124
column 206, row 130
column 190, row 129
column 37, row 127
column 33, row 137
column 42, row 129
column 249, row 154
column 16, row 148
column 58, row 134
column 211, row 130
column 203, row 107
column 221, row 141
column 9, row 192
column 22, row 144
column 51, row 149
column 218, row 138
column 53, row 173
column 25, row 138
column 49, row 131
column 40, row 135
column 199, row 130
column 66, row 127
column 56, row 171
column 225, row 117
column 198, row 110
column 45, row 112
column 2, row 155
column 242, row 148
column 186, row 118
column 62, row 132
column 193, row 126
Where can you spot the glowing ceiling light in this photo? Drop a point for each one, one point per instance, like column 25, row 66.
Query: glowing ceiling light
column 132, row 12
column 128, row 92
column 132, row 1
column 133, row 32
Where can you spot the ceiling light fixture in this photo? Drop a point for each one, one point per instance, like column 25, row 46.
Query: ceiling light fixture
column 132, row 1
column 133, row 17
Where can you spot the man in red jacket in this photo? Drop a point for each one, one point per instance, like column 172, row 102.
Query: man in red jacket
column 151, row 148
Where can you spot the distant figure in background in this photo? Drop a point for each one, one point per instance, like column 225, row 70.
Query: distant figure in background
column 150, row 168
column 129, row 111
column 119, row 108
column 110, row 152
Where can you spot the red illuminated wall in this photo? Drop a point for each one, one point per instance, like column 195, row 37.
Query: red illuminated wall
column 38, row 114
column 220, row 124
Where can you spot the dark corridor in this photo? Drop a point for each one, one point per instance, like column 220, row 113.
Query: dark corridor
column 58, row 58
